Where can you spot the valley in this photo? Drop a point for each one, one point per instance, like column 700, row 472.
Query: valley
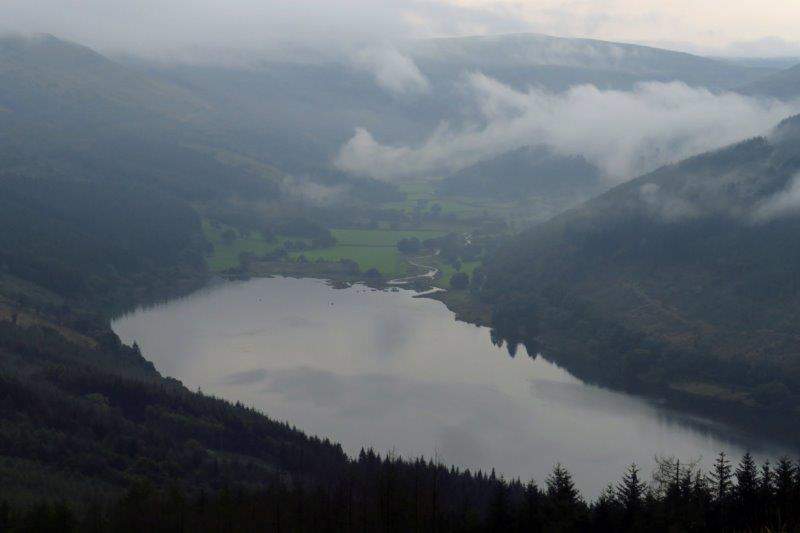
column 389, row 288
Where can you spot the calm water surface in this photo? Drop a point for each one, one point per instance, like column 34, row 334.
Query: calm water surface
column 384, row 369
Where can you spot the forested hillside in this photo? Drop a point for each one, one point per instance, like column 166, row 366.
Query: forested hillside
column 559, row 62
column 300, row 109
column 784, row 84
column 525, row 172
column 100, row 193
column 99, row 179
column 684, row 280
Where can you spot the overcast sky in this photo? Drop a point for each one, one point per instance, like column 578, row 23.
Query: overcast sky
column 727, row 27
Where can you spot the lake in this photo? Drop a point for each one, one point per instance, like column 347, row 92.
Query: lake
column 386, row 370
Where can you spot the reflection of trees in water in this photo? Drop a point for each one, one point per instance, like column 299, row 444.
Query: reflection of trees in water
column 710, row 419
column 512, row 344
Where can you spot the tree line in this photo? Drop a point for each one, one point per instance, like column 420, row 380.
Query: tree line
column 386, row 493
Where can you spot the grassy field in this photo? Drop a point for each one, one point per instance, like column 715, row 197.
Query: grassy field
column 448, row 271
column 462, row 207
column 226, row 255
column 369, row 248
column 458, row 210
column 381, row 237
column 387, row 260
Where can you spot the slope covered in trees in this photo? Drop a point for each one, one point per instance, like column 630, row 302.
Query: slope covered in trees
column 301, row 107
column 556, row 63
column 784, row 84
column 683, row 280
column 527, row 171
column 70, row 112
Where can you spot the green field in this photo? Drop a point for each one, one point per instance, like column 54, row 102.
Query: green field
column 462, row 207
column 381, row 237
column 387, row 260
column 448, row 271
column 225, row 255
column 369, row 248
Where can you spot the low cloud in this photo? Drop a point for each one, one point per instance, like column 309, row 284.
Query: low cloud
column 393, row 71
column 624, row 133
column 312, row 192
column 785, row 203
column 247, row 377
column 667, row 206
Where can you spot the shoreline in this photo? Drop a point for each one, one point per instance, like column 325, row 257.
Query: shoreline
column 466, row 309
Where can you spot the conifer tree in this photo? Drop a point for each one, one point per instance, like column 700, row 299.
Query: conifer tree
column 630, row 491
column 560, row 486
column 746, row 479
column 532, row 502
column 499, row 516
column 784, row 487
column 607, row 510
column 721, row 478
column 746, row 491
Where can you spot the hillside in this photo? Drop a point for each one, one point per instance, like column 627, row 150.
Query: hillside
column 525, row 172
column 784, row 85
column 684, row 279
column 67, row 85
column 558, row 62
column 100, row 195
column 69, row 111
column 301, row 111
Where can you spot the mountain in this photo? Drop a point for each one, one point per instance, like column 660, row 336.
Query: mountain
column 683, row 281
column 300, row 111
column 102, row 183
column 525, row 172
column 46, row 79
column 557, row 62
column 68, row 110
column 784, row 85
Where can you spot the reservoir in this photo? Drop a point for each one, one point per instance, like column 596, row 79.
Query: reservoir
column 386, row 370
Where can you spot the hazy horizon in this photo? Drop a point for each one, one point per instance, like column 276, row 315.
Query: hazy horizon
column 148, row 27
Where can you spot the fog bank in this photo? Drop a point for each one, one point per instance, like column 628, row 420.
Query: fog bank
column 624, row 133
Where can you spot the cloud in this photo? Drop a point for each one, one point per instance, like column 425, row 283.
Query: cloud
column 666, row 206
column 247, row 377
column 392, row 70
column 159, row 27
column 714, row 26
column 624, row 133
column 312, row 192
column 785, row 203
column 146, row 26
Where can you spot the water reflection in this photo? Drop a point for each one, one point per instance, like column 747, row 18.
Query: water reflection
column 398, row 373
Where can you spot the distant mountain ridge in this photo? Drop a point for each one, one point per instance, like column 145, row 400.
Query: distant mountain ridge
column 629, row 61
column 265, row 94
column 784, row 85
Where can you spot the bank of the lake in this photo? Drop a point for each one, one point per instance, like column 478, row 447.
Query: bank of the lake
column 385, row 369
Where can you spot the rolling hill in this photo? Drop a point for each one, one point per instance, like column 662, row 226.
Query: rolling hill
column 68, row 110
column 683, row 280
column 557, row 62
column 784, row 85
column 524, row 172
column 267, row 101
